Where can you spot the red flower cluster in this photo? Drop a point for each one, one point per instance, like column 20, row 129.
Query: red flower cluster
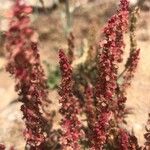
column 69, row 107
column 104, row 104
column 123, row 140
column 131, row 67
column 89, row 106
column 129, row 74
column 115, row 29
column 24, row 65
column 109, row 58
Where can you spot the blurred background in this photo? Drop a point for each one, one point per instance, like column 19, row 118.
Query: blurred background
column 53, row 20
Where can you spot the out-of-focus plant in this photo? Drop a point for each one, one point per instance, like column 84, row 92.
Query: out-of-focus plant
column 67, row 17
column 147, row 135
column 42, row 3
column 2, row 147
column 24, row 64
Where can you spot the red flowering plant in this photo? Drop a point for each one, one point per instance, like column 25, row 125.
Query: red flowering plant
column 130, row 67
column 24, row 64
column 109, row 95
column 103, row 100
column 104, row 103
column 71, row 125
column 109, row 57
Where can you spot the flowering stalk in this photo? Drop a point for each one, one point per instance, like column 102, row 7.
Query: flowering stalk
column 133, row 59
column 24, row 65
column 121, row 90
column 123, row 140
column 130, row 68
column 127, row 141
column 90, row 113
column 108, row 61
column 69, row 107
